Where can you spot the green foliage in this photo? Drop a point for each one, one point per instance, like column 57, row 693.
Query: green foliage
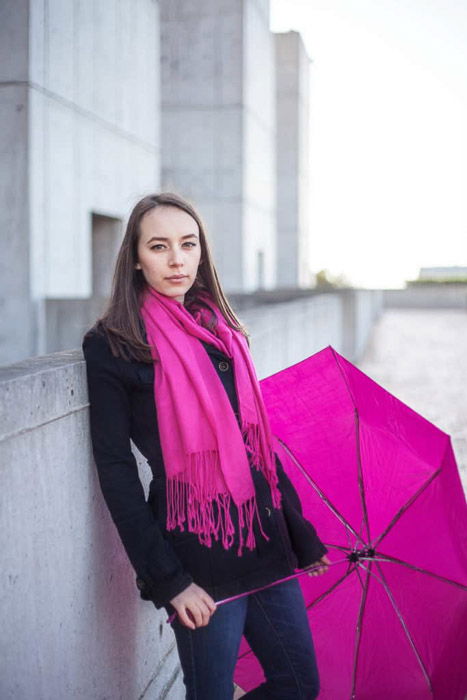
column 324, row 279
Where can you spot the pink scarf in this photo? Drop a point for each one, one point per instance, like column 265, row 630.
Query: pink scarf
column 205, row 452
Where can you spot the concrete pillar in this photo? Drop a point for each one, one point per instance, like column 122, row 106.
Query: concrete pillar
column 79, row 105
column 292, row 136
column 16, row 308
column 218, row 128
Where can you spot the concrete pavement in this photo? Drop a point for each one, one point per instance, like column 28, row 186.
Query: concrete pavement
column 420, row 355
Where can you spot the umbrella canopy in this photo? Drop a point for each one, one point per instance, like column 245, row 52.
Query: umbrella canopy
column 381, row 485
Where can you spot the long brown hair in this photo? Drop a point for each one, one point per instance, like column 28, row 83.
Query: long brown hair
column 121, row 321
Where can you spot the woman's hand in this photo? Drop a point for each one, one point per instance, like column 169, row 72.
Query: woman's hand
column 194, row 606
column 324, row 562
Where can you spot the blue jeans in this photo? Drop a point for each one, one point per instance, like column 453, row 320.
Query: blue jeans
column 274, row 622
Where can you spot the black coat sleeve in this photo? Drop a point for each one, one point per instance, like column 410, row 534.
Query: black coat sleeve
column 160, row 575
column 303, row 536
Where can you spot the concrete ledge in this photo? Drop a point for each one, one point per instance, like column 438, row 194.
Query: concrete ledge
column 427, row 296
column 40, row 390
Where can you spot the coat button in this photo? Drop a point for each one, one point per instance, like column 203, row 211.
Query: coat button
column 223, row 366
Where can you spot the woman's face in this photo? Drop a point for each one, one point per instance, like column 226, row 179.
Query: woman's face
column 169, row 250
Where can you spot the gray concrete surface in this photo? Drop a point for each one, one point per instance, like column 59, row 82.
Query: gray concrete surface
column 287, row 325
column 73, row 625
column 292, row 159
column 218, row 129
column 79, row 108
column 87, row 127
column 427, row 296
column 288, row 332
column 420, row 355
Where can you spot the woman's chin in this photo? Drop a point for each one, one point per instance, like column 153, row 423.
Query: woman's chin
column 172, row 291
column 176, row 291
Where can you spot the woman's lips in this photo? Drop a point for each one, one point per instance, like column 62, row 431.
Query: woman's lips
column 176, row 280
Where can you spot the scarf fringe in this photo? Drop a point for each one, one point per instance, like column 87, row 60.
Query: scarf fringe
column 202, row 509
column 252, row 438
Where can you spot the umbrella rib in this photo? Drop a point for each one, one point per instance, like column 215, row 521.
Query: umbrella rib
column 358, row 632
column 388, row 558
column 405, row 507
column 404, row 625
column 361, row 527
column 317, row 600
column 324, row 498
column 342, row 547
column 361, row 486
column 359, row 577
column 332, row 588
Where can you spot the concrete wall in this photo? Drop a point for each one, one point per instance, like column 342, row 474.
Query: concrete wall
column 312, row 320
column 218, row 128
column 81, row 114
column 73, row 625
column 440, row 273
column 201, row 124
column 427, row 296
column 69, row 319
column 79, row 100
column 292, row 144
column 258, row 149
column 289, row 331
column 15, row 258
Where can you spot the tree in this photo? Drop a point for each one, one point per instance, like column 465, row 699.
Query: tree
column 325, row 279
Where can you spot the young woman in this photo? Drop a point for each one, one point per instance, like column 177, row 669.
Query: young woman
column 169, row 367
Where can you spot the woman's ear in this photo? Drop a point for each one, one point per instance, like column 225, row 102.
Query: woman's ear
column 137, row 266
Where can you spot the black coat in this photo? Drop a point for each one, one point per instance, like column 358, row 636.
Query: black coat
column 122, row 406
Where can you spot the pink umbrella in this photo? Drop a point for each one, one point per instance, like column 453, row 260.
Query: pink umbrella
column 380, row 484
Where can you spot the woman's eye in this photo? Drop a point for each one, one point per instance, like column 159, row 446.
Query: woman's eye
column 159, row 246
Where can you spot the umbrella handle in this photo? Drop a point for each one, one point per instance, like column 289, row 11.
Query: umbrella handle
column 172, row 617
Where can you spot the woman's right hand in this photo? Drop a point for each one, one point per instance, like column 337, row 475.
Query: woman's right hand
column 323, row 564
column 194, row 606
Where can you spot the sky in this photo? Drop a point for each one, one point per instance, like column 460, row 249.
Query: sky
column 388, row 134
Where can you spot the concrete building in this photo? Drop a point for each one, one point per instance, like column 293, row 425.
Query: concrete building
column 79, row 106
column 292, row 153
column 102, row 103
column 451, row 272
column 218, row 129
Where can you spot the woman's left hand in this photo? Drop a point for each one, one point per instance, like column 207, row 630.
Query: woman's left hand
column 323, row 564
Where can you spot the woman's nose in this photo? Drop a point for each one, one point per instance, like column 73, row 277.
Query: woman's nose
column 175, row 257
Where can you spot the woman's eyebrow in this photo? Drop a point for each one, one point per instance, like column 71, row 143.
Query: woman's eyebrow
column 161, row 238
